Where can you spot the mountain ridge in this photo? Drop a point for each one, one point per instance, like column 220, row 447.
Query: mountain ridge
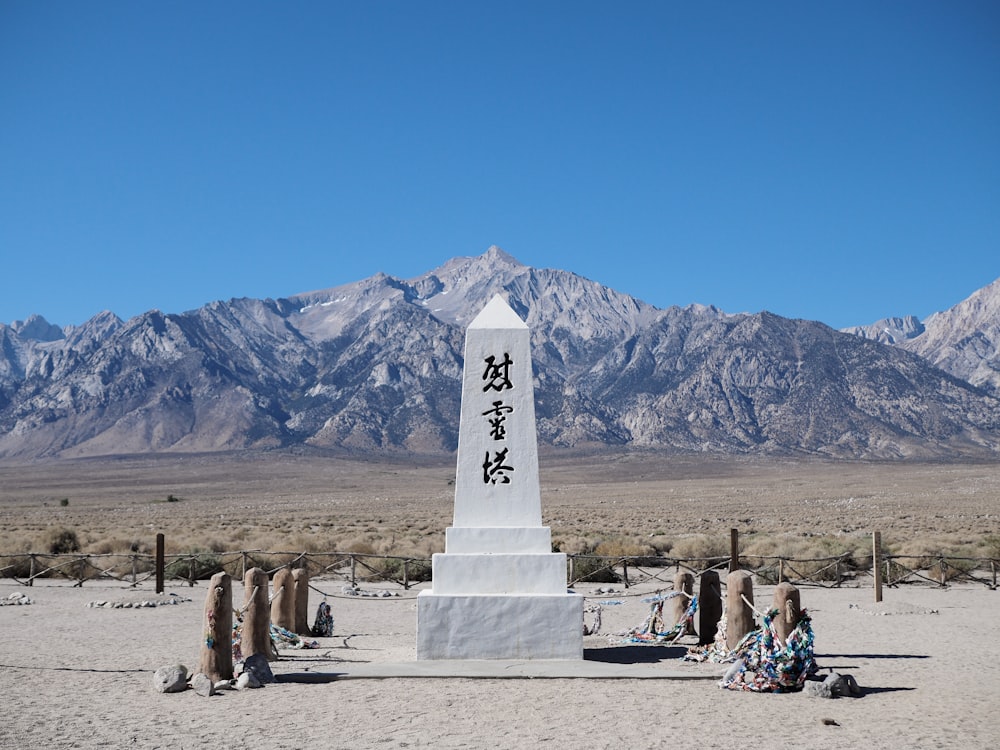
column 375, row 365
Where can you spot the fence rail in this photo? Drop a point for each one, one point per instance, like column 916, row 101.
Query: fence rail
column 829, row 572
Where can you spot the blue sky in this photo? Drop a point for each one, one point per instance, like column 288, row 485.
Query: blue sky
column 834, row 161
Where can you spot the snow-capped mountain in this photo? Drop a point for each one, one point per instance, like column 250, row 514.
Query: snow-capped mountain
column 376, row 365
column 963, row 340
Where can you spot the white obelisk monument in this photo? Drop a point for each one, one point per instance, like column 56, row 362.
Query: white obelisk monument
column 498, row 591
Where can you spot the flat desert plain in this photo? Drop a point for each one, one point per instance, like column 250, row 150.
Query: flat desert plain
column 296, row 501
column 74, row 675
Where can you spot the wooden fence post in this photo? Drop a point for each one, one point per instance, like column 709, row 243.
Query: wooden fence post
column 625, row 571
column 734, row 550
column 877, row 563
column 31, row 570
column 739, row 615
column 159, row 563
column 217, row 647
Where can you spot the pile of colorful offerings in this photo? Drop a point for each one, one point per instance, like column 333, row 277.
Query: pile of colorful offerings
column 761, row 662
column 654, row 629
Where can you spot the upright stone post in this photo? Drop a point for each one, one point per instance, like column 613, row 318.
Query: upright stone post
column 256, row 616
column 787, row 602
column 709, row 607
column 300, row 578
column 216, row 658
column 739, row 614
column 283, row 600
column 499, row 592
column 683, row 582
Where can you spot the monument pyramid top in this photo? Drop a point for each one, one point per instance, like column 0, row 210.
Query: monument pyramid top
column 498, row 314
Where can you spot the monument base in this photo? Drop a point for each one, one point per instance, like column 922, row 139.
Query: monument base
column 499, row 626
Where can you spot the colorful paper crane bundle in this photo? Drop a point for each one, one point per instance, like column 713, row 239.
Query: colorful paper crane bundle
column 654, row 629
column 764, row 664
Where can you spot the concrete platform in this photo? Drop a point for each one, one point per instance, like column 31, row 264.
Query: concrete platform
column 506, row 627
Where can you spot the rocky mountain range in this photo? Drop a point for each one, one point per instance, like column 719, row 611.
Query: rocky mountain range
column 376, row 365
column 963, row 340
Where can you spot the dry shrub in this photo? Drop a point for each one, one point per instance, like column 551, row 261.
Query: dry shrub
column 217, row 545
column 944, row 557
column 595, row 569
column 990, row 547
column 807, row 547
column 808, row 556
column 595, row 562
column 700, row 547
column 571, row 545
column 661, row 543
column 15, row 567
column 59, row 541
column 118, row 546
column 392, row 569
column 196, row 565
column 302, row 542
column 621, row 546
column 359, row 547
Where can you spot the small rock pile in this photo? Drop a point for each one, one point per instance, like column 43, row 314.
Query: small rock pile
column 16, row 598
column 349, row 590
column 138, row 603
column 255, row 673
column 834, row 686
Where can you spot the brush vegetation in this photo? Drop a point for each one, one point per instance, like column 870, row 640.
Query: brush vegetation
column 631, row 505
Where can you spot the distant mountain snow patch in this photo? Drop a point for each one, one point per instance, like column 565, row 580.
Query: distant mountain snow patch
column 375, row 366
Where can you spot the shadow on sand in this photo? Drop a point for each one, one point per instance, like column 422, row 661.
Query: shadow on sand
column 634, row 654
column 872, row 656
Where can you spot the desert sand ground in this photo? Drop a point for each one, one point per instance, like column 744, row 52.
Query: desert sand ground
column 74, row 676
column 77, row 676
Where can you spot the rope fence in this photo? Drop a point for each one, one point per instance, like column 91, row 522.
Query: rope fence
column 829, row 572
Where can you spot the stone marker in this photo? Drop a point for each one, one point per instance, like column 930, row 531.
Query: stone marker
column 683, row 582
column 499, row 592
column 216, row 659
column 300, row 577
column 709, row 607
column 256, row 616
column 283, row 600
column 786, row 601
column 739, row 615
